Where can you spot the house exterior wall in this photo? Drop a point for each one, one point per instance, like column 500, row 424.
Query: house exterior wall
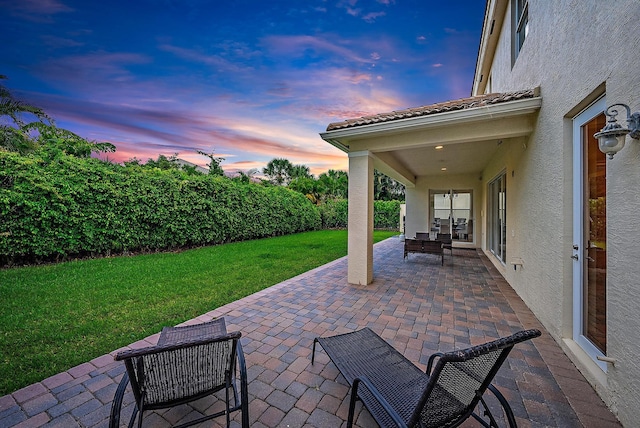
column 576, row 52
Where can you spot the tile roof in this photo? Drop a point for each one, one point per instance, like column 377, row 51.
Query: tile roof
column 461, row 104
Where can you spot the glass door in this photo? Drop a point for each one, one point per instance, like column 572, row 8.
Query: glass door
column 590, row 234
column 497, row 227
column 451, row 212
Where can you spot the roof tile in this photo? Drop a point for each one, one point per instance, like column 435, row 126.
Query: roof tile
column 453, row 105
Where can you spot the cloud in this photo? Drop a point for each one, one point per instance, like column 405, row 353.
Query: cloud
column 97, row 68
column 372, row 16
column 59, row 42
column 298, row 45
column 35, row 10
column 215, row 62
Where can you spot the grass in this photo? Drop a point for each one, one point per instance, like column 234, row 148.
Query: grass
column 55, row 317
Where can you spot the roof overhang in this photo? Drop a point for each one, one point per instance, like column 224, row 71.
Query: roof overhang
column 343, row 138
column 403, row 148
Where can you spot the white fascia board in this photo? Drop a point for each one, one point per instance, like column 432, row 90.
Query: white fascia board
column 491, row 29
column 492, row 111
column 336, row 143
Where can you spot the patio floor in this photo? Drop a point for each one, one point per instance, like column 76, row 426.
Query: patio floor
column 416, row 304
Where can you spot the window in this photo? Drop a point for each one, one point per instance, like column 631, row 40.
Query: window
column 520, row 25
column 498, row 217
column 452, row 212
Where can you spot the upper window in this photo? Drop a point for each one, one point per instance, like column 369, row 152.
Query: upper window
column 520, row 26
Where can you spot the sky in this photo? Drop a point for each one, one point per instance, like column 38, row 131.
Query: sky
column 247, row 80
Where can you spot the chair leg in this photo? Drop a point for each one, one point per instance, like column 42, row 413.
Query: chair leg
column 244, row 394
column 492, row 423
column 352, row 402
column 116, row 405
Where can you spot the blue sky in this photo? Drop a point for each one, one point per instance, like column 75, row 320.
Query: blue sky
column 250, row 80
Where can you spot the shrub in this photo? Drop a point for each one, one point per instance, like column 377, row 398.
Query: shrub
column 386, row 214
column 56, row 206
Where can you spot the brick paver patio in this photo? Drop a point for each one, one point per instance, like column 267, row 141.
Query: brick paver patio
column 417, row 305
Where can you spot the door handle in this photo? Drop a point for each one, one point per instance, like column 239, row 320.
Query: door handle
column 575, row 257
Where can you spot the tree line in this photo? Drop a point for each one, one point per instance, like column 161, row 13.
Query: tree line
column 58, row 202
column 42, row 135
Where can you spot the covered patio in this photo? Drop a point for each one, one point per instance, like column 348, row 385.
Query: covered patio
column 416, row 304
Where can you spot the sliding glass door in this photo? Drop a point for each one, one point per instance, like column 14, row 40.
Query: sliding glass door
column 498, row 217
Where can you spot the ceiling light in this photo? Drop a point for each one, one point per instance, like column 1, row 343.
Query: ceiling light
column 444, row 168
column 439, row 147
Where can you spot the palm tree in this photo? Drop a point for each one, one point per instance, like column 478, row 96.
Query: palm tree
column 300, row 171
column 335, row 184
column 278, row 171
column 386, row 188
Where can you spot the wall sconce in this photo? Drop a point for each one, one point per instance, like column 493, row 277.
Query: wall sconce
column 612, row 137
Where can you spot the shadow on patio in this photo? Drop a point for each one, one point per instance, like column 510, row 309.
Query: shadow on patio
column 416, row 304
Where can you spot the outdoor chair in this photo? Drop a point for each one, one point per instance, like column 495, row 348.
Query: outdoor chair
column 424, row 236
column 187, row 364
column 399, row 394
column 446, row 240
column 424, row 247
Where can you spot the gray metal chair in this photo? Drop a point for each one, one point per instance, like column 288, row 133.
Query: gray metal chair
column 399, row 394
column 188, row 363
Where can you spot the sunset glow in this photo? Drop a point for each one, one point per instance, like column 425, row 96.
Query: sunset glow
column 248, row 80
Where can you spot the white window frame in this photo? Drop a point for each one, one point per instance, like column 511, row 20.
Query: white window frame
column 519, row 26
column 497, row 245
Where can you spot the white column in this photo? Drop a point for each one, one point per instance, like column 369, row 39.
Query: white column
column 360, row 233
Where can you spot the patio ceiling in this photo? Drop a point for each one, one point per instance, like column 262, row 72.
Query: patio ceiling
column 403, row 143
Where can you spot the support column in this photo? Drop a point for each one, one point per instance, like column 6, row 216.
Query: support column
column 360, row 229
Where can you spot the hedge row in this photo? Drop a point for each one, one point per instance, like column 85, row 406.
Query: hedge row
column 60, row 207
column 386, row 214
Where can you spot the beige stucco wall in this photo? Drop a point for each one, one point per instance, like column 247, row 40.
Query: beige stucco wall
column 575, row 51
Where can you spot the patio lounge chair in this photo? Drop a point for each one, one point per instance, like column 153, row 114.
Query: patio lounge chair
column 399, row 394
column 187, row 364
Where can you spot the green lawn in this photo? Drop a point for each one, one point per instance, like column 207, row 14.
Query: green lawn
column 54, row 317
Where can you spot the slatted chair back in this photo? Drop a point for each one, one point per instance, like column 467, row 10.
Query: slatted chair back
column 460, row 378
column 166, row 375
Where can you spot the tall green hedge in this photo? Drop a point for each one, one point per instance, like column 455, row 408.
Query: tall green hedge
column 61, row 206
column 386, row 214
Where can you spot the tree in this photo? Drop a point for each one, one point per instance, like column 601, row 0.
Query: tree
column 308, row 186
column 334, row 184
column 386, row 188
column 300, row 171
column 19, row 135
column 13, row 135
column 214, row 165
column 164, row 162
column 278, row 171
